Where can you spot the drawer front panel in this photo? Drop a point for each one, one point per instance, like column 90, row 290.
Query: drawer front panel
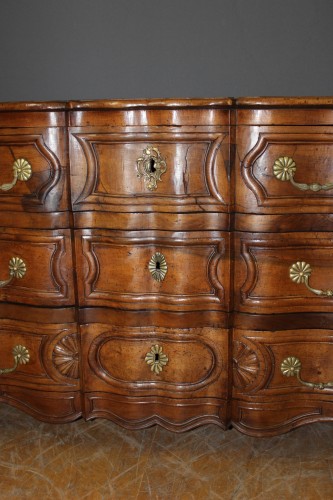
column 36, row 267
column 289, row 170
column 32, row 172
column 39, row 368
column 144, row 170
column 122, row 270
column 160, row 359
column 288, row 272
column 282, row 362
column 39, row 356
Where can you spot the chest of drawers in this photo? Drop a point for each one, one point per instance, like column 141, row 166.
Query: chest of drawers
column 168, row 262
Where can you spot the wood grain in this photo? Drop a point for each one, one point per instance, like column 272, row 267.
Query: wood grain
column 227, row 312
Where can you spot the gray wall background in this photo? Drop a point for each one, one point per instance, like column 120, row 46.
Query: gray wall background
column 93, row 49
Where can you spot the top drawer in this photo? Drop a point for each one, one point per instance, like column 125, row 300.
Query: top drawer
column 32, row 161
column 150, row 160
column 286, row 160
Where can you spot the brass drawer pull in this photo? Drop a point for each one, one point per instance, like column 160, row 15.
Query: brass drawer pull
column 156, row 359
column 158, row 267
column 284, row 169
column 291, row 367
column 17, row 269
column 300, row 272
column 21, row 357
column 151, row 165
column 22, row 171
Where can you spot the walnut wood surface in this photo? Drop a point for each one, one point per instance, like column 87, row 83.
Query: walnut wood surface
column 48, row 257
column 48, row 386
column 103, row 174
column 100, row 104
column 262, row 282
column 226, row 314
column 257, row 188
column 114, row 360
column 113, row 270
column 260, row 388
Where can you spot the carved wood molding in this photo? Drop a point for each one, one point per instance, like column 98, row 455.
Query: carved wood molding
column 265, row 140
column 283, row 298
column 45, row 342
column 45, row 252
column 201, row 369
column 61, row 356
column 212, row 199
column 66, row 356
column 61, row 407
column 156, row 411
column 38, row 198
column 246, row 366
column 215, row 249
column 279, row 417
column 253, row 363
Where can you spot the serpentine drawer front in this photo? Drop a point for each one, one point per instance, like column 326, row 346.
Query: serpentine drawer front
column 155, row 270
column 291, row 368
column 168, row 261
column 33, row 162
column 284, row 168
column 39, row 363
column 158, row 160
column 284, row 272
column 36, row 267
column 189, row 362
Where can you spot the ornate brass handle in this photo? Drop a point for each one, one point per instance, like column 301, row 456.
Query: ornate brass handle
column 151, row 165
column 21, row 357
column 158, row 267
column 17, row 269
column 291, row 367
column 156, row 359
column 300, row 272
column 284, row 169
column 22, row 171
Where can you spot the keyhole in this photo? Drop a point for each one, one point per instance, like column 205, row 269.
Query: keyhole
column 152, row 168
column 157, row 357
column 158, row 265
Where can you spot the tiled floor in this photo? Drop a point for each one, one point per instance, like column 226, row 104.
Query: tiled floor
column 99, row 460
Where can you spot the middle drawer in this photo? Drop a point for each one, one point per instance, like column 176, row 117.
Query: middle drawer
column 284, row 272
column 153, row 269
column 36, row 267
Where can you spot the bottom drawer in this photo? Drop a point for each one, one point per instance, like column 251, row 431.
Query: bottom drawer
column 39, row 358
column 282, row 362
column 281, row 379
column 151, row 362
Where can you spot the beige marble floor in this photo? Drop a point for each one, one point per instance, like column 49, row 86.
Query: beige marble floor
column 98, row 460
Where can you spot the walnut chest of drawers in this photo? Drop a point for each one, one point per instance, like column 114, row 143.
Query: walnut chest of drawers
column 168, row 262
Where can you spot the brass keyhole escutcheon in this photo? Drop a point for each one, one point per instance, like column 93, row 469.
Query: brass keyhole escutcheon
column 151, row 165
column 156, row 359
column 158, row 267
